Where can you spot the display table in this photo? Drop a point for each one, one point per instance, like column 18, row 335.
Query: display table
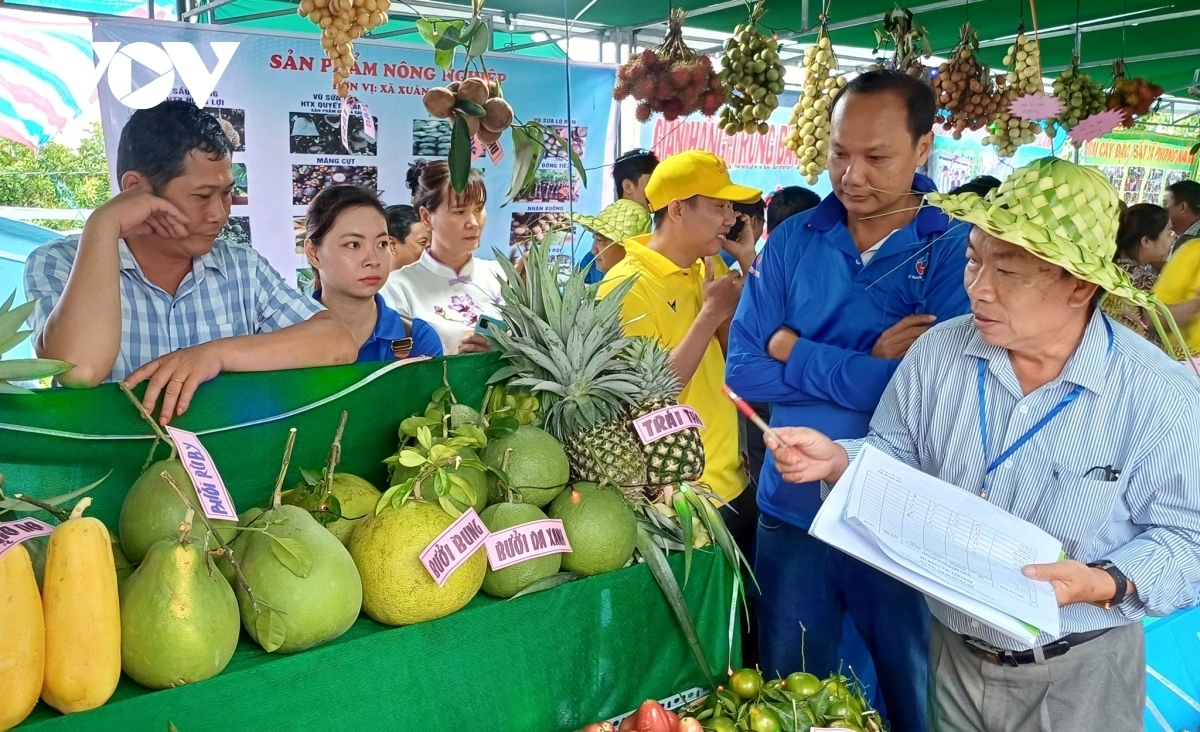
column 555, row 660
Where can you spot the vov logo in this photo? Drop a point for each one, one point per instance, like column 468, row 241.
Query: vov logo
column 164, row 61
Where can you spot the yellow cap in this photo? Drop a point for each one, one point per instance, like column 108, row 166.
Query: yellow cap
column 694, row 173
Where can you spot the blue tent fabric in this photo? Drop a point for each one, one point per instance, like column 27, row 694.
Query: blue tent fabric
column 17, row 240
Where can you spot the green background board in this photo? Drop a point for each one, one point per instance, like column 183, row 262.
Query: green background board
column 555, row 660
column 549, row 662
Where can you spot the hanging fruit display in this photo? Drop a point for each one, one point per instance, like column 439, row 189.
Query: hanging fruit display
column 808, row 135
column 909, row 41
column 341, row 22
column 670, row 79
column 1024, row 77
column 968, row 97
column 1132, row 97
column 753, row 76
column 1081, row 95
column 477, row 102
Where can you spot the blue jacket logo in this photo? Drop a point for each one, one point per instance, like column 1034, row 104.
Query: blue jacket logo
column 921, row 265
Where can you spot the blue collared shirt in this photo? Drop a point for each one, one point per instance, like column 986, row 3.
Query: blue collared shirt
column 231, row 291
column 389, row 326
column 1137, row 413
column 811, row 278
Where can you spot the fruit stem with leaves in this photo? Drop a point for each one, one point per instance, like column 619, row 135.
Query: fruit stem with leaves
column 335, row 457
column 159, row 435
column 277, row 494
column 54, row 511
column 237, row 567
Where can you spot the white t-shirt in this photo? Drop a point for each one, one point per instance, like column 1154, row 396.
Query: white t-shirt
column 868, row 255
column 449, row 301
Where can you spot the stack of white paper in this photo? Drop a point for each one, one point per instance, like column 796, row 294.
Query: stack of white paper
column 950, row 544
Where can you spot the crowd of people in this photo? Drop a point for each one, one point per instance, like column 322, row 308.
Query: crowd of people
column 928, row 325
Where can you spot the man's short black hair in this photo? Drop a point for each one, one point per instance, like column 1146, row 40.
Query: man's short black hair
column 917, row 95
column 660, row 215
column 980, row 185
column 787, row 202
column 631, row 166
column 1186, row 191
column 156, row 141
column 756, row 210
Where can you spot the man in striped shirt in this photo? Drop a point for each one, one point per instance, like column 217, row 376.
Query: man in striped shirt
column 147, row 291
column 1045, row 407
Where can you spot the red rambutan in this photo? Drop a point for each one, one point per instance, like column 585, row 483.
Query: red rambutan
column 643, row 112
column 649, row 57
column 620, row 91
column 710, row 103
column 643, row 88
column 681, row 76
column 666, row 88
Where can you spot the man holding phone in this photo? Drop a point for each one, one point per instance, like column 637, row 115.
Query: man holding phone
column 685, row 296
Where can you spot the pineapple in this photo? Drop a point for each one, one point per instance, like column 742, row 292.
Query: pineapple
column 11, row 335
column 565, row 347
column 677, row 457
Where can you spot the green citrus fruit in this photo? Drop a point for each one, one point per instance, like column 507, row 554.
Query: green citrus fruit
column 802, row 684
column 746, row 683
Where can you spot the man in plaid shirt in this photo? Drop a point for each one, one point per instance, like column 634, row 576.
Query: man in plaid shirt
column 148, row 293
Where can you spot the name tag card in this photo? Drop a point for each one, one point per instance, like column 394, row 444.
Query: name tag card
column 454, row 546
column 527, row 541
column 15, row 532
column 210, row 489
column 666, row 421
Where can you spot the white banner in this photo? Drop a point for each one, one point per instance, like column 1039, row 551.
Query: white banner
column 276, row 92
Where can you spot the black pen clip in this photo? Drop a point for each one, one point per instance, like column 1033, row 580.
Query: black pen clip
column 1110, row 474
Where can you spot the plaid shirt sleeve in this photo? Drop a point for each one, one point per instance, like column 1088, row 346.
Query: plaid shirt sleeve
column 277, row 304
column 46, row 273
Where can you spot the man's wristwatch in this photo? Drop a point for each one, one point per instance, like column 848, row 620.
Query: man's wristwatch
column 1118, row 577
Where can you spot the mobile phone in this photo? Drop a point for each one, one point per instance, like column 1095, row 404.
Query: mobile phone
column 735, row 231
column 487, row 323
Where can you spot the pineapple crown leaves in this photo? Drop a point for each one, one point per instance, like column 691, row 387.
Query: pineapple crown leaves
column 652, row 363
column 11, row 336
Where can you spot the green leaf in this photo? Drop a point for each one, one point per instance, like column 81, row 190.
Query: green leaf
column 460, row 154
column 656, row 561
column 449, row 506
column 171, row 727
column 478, row 38
column 469, row 108
column 461, row 490
column 425, row 437
column 312, row 477
column 684, row 509
column 548, row 583
column 441, row 394
column 7, row 388
column 15, row 504
column 30, row 369
column 332, row 512
column 429, row 29
column 523, row 155
column 271, row 630
column 441, row 482
column 410, row 426
column 444, row 60
column 470, row 432
column 439, row 454
column 476, row 464
column 502, row 427
column 451, row 36
column 411, row 458
column 291, row 554
column 12, row 320
column 14, row 341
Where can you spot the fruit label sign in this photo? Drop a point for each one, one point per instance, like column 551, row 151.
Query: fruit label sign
column 15, row 532
column 666, row 421
column 527, row 541
column 454, row 546
column 210, row 489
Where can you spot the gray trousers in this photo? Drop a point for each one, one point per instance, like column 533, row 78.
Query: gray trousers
column 1099, row 686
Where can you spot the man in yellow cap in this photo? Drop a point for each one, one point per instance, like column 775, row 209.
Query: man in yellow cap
column 1027, row 403
column 685, row 296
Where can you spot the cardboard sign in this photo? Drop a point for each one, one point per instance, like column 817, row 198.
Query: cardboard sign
column 210, row 489
column 527, row 541
column 666, row 421
column 454, row 546
column 15, row 532
column 349, row 104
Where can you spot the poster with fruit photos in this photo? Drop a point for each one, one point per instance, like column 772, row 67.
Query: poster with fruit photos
column 277, row 104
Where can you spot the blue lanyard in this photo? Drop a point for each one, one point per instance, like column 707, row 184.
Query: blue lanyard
column 983, row 436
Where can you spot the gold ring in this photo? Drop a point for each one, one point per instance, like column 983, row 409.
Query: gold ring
column 179, row 380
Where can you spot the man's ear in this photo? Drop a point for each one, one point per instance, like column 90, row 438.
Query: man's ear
column 133, row 179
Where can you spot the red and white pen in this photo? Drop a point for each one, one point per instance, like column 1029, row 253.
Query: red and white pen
column 745, row 408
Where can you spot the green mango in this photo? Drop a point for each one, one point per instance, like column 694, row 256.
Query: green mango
column 308, row 585
column 152, row 511
column 179, row 618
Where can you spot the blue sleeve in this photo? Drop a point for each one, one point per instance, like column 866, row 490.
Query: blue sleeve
column 750, row 372
column 425, row 340
column 849, row 379
column 947, row 295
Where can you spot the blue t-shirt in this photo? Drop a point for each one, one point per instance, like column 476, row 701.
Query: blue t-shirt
column 389, row 326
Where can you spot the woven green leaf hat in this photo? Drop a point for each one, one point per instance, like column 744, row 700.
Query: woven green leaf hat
column 622, row 220
column 1065, row 214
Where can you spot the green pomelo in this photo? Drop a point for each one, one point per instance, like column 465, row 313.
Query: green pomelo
column 313, row 609
column 397, row 589
column 600, row 526
column 248, row 517
column 152, row 511
column 125, row 568
column 514, row 578
column 179, row 618
column 356, row 496
column 461, row 414
column 537, row 466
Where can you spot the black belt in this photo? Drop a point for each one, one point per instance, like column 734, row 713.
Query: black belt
column 1004, row 657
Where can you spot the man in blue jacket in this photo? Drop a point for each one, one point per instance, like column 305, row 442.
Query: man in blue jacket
column 829, row 308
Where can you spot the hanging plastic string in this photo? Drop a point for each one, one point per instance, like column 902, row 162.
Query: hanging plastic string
column 569, row 142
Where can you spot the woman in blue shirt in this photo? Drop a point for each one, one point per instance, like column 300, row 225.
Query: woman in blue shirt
column 348, row 247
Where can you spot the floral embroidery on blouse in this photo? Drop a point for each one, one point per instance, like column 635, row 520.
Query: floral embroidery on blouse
column 463, row 309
